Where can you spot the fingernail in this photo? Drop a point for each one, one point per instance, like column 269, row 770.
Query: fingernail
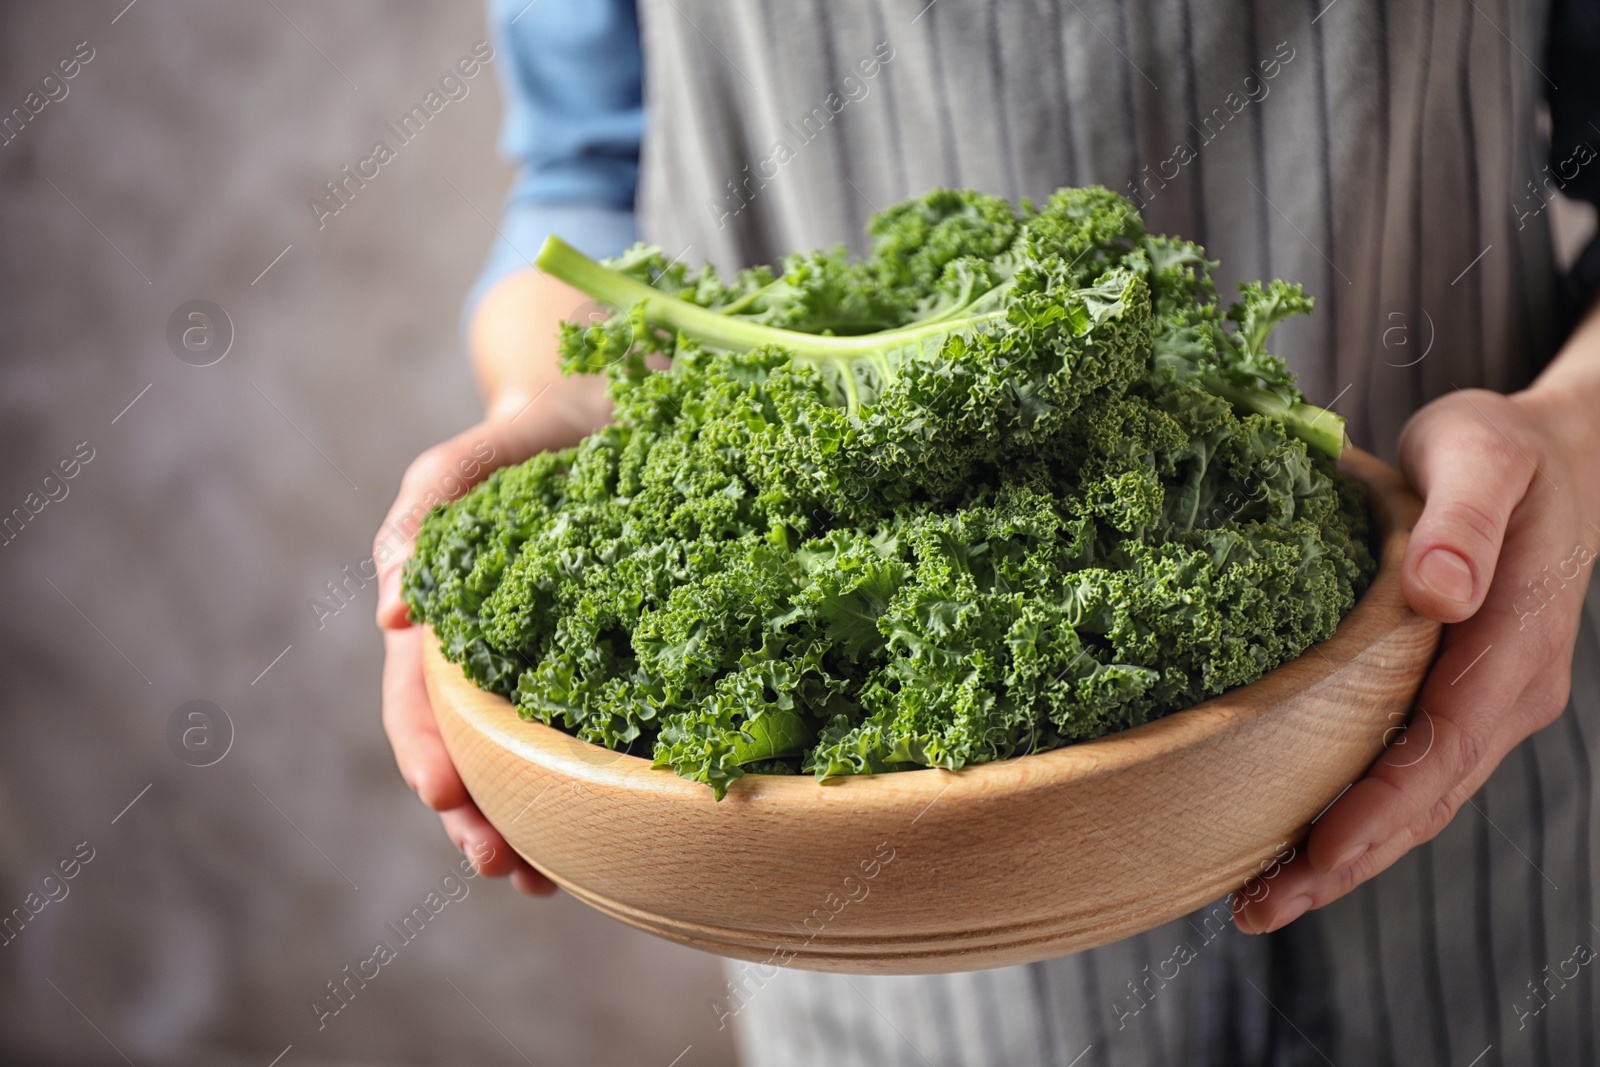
column 1289, row 913
column 1447, row 574
column 1350, row 855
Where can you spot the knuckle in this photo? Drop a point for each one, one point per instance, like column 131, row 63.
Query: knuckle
column 1554, row 641
column 1463, row 749
column 1474, row 523
column 1439, row 815
column 1548, row 706
column 434, row 796
column 424, row 470
column 1464, row 433
column 1467, row 750
column 1487, row 443
column 1348, row 878
column 1444, row 811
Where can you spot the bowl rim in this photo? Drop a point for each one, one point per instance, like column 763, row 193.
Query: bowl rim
column 1394, row 510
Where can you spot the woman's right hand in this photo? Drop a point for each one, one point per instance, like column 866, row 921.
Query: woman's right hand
column 531, row 408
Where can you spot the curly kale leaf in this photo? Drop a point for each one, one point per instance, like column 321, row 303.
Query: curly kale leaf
column 1013, row 480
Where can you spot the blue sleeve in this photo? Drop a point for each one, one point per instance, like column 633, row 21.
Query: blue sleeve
column 570, row 75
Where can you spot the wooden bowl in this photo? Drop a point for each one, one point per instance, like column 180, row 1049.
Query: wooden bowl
column 928, row 871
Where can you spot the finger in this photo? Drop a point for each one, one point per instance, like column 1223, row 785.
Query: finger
column 479, row 841
column 1471, row 474
column 1301, row 886
column 1500, row 676
column 1483, row 697
column 1503, row 675
column 520, row 426
column 1267, row 904
column 530, row 882
column 409, row 723
column 1450, row 762
column 489, row 852
column 1307, row 883
column 439, row 475
column 425, row 764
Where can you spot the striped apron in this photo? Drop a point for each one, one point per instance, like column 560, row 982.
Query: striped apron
column 1381, row 154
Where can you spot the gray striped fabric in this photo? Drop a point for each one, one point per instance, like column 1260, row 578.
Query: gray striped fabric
column 1378, row 152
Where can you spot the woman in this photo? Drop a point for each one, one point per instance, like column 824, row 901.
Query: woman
column 1381, row 153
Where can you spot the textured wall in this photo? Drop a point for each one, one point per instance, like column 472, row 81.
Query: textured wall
column 181, row 559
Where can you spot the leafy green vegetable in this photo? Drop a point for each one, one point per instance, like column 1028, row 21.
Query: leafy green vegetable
column 1012, row 481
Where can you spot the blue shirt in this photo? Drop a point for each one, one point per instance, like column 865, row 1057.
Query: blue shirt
column 570, row 73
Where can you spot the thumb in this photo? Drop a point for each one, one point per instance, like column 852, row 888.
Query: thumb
column 447, row 470
column 1471, row 476
column 439, row 475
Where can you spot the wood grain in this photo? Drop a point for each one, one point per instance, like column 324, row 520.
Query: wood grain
column 930, row 871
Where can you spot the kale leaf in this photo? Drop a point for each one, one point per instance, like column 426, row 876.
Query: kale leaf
column 1013, row 480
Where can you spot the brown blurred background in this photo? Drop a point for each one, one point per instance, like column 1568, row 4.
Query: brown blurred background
column 180, row 562
column 182, row 559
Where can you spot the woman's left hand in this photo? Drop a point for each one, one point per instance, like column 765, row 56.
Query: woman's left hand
column 1502, row 554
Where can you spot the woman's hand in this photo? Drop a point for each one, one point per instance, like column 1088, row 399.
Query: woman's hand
column 531, row 408
column 1502, row 554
